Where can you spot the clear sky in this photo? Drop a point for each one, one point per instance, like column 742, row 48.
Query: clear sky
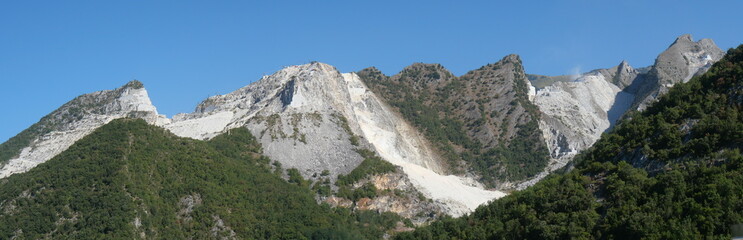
column 185, row 51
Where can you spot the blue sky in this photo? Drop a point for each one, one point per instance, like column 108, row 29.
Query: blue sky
column 185, row 51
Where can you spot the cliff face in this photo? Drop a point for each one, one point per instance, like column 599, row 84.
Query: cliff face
column 575, row 114
column 57, row 131
column 300, row 114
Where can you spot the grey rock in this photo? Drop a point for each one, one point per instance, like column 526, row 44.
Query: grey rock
column 313, row 118
column 682, row 60
column 577, row 112
column 75, row 119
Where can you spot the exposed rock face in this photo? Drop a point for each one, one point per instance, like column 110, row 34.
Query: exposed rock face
column 621, row 75
column 679, row 63
column 300, row 114
column 472, row 119
column 398, row 195
column 187, row 204
column 576, row 112
column 59, row 130
column 312, row 117
column 392, row 137
column 541, row 81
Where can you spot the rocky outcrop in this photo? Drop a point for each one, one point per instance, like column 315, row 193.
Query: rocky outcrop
column 301, row 115
column 577, row 112
column 679, row 63
column 57, row 131
column 398, row 195
column 622, row 75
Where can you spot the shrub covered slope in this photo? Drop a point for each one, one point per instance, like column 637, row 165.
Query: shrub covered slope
column 130, row 180
column 671, row 172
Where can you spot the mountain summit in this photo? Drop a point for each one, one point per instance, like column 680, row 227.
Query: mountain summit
column 679, row 63
column 75, row 119
column 576, row 112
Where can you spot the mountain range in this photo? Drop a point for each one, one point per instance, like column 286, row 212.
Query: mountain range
column 421, row 144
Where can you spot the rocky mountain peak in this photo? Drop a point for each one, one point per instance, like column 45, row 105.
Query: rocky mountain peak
column 624, row 69
column 513, row 58
column 134, row 84
column 624, row 65
column 75, row 119
column 576, row 113
column 624, row 75
column 683, row 38
column 707, row 43
column 683, row 60
column 305, row 72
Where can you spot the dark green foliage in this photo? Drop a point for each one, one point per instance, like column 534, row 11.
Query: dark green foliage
column 11, row 148
column 354, row 140
column 427, row 111
column 129, row 170
column 694, row 132
column 134, row 84
column 516, row 163
column 556, row 208
column 367, row 190
column 71, row 111
column 296, row 178
column 667, row 129
column 322, row 188
column 372, row 165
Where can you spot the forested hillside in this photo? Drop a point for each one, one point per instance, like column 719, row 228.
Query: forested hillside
column 671, row 172
column 129, row 179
